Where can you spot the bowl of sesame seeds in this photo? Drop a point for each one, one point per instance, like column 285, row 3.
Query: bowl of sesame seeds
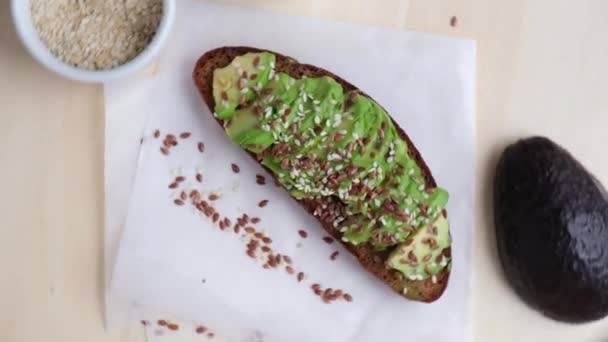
column 93, row 40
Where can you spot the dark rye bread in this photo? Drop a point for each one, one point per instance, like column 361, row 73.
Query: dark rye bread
column 373, row 261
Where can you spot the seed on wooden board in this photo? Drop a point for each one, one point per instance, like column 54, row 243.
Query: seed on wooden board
column 201, row 147
column 164, row 151
column 178, row 201
column 263, row 203
column 289, row 269
column 328, row 239
column 173, row 185
column 199, row 178
column 185, row 135
column 303, row 234
column 255, row 220
column 213, row 197
column 300, row 276
column 235, row 168
column 334, row 255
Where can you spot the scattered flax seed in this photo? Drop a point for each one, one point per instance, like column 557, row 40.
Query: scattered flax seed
column 162, row 322
column 210, row 335
column 164, row 151
column 144, row 322
column 180, row 179
column 255, row 220
column 338, row 293
column 199, row 178
column 265, row 249
column 347, row 297
column 216, row 217
column 259, row 179
column 200, row 329
column 287, row 259
column 222, row 225
column 249, row 230
column 315, row 286
column 245, row 218
column 289, row 269
column 173, row 185
column 227, row 222
column 328, row 239
column 300, row 276
column 334, row 255
column 251, row 253
column 303, row 234
column 185, row 135
column 263, row 203
column 235, row 168
column 156, row 134
column 213, row 197
column 237, row 228
column 267, row 240
column 258, row 235
column 178, row 201
column 183, row 196
column 173, row 326
column 201, row 147
column 453, row 21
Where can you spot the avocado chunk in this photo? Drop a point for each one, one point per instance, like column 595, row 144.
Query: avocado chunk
column 423, row 254
column 551, row 220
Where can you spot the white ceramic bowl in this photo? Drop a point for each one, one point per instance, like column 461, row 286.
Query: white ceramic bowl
column 27, row 32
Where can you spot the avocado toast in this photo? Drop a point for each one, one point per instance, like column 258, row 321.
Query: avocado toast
column 340, row 155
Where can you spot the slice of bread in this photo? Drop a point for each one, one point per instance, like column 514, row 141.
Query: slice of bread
column 374, row 261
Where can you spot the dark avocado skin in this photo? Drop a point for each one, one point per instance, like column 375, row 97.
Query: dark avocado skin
column 551, row 219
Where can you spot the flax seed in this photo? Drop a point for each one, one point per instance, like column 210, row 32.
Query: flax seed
column 315, row 287
column 300, row 276
column 255, row 220
column 183, row 196
column 216, row 217
column 164, row 151
column 173, row 326
column 251, row 253
column 173, row 185
column 267, row 240
column 156, row 134
column 178, row 201
column 185, row 135
column 237, row 228
column 289, row 269
column 201, row 329
column 235, row 168
column 287, row 259
column 199, row 178
column 279, row 258
column 303, row 234
column 347, row 297
column 249, row 230
column 263, row 203
column 334, row 255
column 201, row 147
column 328, row 239
column 213, row 197
column 259, row 179
column 162, row 322
column 258, row 235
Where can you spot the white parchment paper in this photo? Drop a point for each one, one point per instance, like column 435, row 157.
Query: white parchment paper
column 174, row 261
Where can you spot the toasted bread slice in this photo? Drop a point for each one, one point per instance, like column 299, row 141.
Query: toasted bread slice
column 427, row 290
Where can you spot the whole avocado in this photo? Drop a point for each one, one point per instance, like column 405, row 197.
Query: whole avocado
column 551, row 220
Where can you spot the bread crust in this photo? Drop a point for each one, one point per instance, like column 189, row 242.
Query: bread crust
column 373, row 261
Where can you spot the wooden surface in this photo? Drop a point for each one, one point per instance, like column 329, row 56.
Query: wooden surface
column 542, row 69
